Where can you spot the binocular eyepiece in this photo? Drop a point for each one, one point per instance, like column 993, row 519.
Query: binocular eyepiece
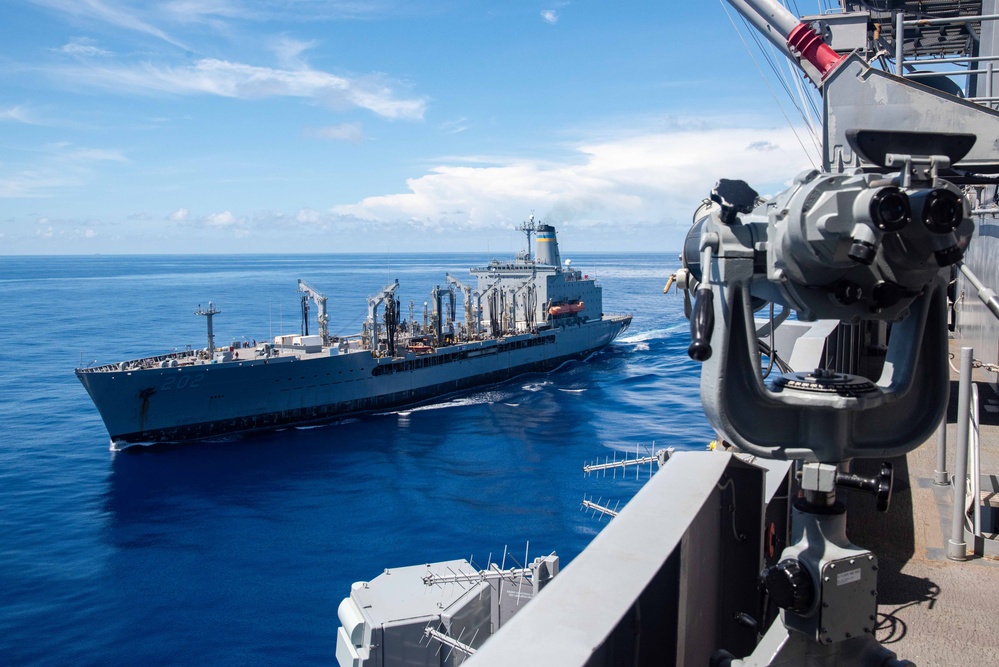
column 851, row 246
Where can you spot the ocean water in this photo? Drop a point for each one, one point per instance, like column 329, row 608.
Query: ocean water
column 238, row 551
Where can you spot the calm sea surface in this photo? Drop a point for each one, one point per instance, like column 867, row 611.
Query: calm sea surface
column 239, row 551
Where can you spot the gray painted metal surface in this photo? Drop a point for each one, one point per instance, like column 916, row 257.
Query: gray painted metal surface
column 433, row 615
column 956, row 546
column 662, row 583
column 539, row 314
column 977, row 325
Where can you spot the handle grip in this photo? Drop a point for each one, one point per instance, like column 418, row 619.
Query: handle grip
column 702, row 324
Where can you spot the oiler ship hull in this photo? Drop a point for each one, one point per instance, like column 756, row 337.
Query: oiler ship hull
column 189, row 402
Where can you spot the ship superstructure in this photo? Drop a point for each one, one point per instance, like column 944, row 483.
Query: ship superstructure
column 531, row 314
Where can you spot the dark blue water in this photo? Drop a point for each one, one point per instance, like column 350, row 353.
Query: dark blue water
column 239, row 551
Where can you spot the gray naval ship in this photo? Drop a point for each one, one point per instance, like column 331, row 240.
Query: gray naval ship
column 532, row 314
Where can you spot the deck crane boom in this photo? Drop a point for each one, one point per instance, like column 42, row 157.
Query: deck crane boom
column 371, row 327
column 320, row 301
column 494, row 307
column 529, row 290
column 472, row 313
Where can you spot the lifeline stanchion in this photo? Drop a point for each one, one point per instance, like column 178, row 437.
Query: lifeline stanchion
column 940, row 477
column 957, row 548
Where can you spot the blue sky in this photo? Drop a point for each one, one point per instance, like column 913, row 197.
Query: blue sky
column 132, row 126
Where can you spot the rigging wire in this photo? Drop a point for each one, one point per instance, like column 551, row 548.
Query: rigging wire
column 809, row 95
column 785, row 69
column 767, row 84
column 782, row 74
column 804, row 92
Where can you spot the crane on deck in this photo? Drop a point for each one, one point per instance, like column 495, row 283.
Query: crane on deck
column 322, row 317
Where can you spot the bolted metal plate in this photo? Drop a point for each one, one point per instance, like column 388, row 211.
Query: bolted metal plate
column 848, row 604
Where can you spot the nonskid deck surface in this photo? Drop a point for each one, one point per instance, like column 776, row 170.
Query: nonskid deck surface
column 187, row 358
column 931, row 610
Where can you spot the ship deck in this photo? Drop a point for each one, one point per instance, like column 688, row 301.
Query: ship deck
column 932, row 610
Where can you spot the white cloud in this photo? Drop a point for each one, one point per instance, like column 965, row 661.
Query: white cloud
column 194, row 11
column 112, row 13
column 211, row 11
column 550, row 16
column 637, row 180
column 18, row 113
column 211, row 76
column 289, row 51
column 455, row 126
column 60, row 166
column 96, row 155
column 223, row 219
column 612, row 192
column 82, row 47
column 762, row 146
column 352, row 132
column 144, row 17
column 308, row 216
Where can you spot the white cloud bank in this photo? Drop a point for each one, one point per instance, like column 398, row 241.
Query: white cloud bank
column 634, row 193
column 648, row 179
column 223, row 219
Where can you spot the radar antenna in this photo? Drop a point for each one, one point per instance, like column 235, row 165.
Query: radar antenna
column 528, row 227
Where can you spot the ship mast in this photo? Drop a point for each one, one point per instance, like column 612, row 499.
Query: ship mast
column 528, row 227
column 209, row 314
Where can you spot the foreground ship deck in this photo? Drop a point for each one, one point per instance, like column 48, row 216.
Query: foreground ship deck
column 528, row 315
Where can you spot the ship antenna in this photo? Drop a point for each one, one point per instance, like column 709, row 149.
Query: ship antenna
column 209, row 314
column 528, row 227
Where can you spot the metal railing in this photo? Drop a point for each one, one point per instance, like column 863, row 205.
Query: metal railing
column 966, row 521
column 901, row 23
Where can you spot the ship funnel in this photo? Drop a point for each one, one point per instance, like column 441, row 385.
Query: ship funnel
column 547, row 248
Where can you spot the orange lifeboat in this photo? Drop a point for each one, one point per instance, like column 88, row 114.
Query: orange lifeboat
column 419, row 348
column 566, row 308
